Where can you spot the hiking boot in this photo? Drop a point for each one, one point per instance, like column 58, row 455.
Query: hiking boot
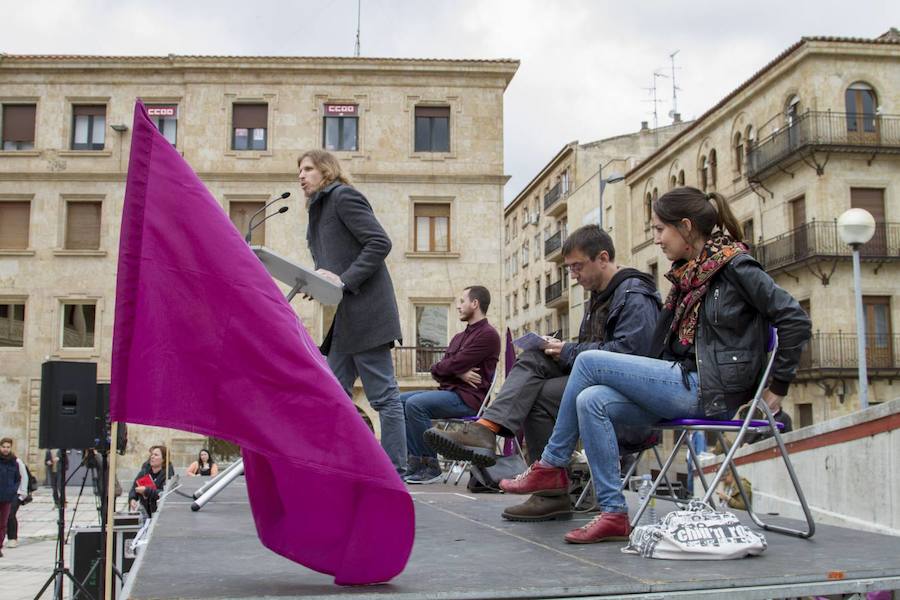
column 430, row 472
column 539, row 479
column 540, row 508
column 413, row 465
column 473, row 442
column 605, row 527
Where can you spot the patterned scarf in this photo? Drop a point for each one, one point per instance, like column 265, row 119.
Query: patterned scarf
column 690, row 282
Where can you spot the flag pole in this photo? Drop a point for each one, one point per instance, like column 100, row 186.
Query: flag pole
column 110, row 512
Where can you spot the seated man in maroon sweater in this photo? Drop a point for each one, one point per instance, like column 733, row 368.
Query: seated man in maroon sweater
column 464, row 376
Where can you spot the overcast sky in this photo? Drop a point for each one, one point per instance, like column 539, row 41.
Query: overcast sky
column 585, row 64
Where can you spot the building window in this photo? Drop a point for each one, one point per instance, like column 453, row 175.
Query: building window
column 432, row 129
column 515, row 227
column 749, row 233
column 804, row 415
column 861, row 106
column 15, row 218
column 738, row 153
column 432, row 227
column 537, row 246
column 340, row 127
column 792, row 111
column 648, row 207
column 515, row 303
column 83, row 225
column 524, row 295
column 508, row 305
column 537, row 293
column 431, row 325
column 12, row 324
column 165, row 117
column 79, row 321
column 713, row 166
column 18, row 126
column 681, row 177
column 879, row 338
column 548, row 325
column 704, row 173
column 564, row 180
column 525, row 253
column 673, row 182
column 249, row 123
column 240, row 214
column 88, row 126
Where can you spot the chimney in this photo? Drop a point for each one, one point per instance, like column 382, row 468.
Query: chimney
column 644, row 126
column 676, row 118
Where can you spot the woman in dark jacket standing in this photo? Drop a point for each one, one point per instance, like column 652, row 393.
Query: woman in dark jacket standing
column 710, row 347
column 10, row 484
column 155, row 468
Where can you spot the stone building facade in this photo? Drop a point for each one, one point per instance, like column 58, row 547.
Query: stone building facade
column 813, row 133
column 421, row 138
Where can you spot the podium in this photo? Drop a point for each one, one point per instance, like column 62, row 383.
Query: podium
column 301, row 280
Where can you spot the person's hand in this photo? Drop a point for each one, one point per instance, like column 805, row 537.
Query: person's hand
column 142, row 490
column 773, row 400
column 553, row 348
column 471, row 377
column 330, row 277
column 133, row 505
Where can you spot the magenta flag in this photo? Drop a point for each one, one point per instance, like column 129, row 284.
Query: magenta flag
column 204, row 341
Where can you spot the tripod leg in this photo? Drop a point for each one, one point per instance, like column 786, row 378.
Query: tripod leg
column 81, row 588
column 47, row 583
column 218, row 487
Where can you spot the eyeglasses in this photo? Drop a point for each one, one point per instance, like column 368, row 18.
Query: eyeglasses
column 575, row 267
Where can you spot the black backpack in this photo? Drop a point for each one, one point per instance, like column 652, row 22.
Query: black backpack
column 32, row 480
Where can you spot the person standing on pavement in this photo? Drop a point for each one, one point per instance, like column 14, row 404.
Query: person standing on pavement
column 51, row 461
column 13, row 486
column 349, row 247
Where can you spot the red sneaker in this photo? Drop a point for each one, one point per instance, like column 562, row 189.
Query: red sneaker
column 538, row 479
column 605, row 527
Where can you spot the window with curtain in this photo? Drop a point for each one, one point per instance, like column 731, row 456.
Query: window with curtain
column 18, row 126
column 432, row 129
column 249, row 123
column 432, row 224
column 861, row 105
column 88, row 127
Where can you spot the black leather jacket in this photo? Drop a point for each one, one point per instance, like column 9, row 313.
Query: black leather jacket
column 733, row 333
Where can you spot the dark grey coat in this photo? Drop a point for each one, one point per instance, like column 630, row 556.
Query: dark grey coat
column 345, row 238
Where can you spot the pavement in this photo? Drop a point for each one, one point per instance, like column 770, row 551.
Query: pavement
column 24, row 569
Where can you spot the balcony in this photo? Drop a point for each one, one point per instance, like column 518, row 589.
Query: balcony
column 553, row 247
column 556, row 295
column 831, row 131
column 835, row 355
column 555, row 200
column 412, row 361
column 819, row 240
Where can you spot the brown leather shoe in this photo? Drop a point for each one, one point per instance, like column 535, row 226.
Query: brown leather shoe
column 540, row 508
column 538, row 479
column 605, row 527
column 474, row 442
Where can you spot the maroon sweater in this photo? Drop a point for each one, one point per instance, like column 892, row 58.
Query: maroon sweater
column 477, row 347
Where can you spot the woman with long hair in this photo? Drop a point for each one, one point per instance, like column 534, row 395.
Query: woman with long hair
column 204, row 466
column 156, row 469
column 708, row 354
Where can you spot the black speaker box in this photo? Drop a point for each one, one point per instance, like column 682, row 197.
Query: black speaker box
column 68, row 405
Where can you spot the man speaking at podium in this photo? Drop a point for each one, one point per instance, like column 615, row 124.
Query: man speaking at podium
column 348, row 247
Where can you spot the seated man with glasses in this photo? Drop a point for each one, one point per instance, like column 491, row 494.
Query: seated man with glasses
column 619, row 317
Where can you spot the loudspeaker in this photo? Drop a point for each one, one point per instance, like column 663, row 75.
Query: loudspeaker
column 104, row 427
column 68, row 405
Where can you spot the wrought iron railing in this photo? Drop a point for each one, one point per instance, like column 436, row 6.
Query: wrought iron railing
column 821, row 239
column 817, row 128
column 414, row 360
column 838, row 351
column 554, row 194
column 553, row 243
column 553, row 292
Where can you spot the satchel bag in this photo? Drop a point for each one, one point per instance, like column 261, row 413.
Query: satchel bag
column 698, row 533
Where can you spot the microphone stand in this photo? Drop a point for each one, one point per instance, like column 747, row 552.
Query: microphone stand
column 251, row 226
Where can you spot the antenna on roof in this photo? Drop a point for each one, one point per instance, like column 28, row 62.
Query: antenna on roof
column 673, row 114
column 358, row 12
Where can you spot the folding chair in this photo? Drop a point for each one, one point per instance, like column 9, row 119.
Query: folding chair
column 445, row 424
column 741, row 427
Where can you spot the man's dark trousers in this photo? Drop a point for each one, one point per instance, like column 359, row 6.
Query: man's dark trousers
column 530, row 399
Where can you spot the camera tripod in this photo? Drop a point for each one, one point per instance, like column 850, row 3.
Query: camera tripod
column 60, row 571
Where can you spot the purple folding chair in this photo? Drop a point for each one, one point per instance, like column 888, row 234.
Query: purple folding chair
column 741, row 427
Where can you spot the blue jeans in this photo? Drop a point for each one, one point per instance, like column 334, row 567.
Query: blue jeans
column 375, row 369
column 421, row 407
column 605, row 390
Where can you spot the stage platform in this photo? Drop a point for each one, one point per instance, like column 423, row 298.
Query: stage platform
column 464, row 549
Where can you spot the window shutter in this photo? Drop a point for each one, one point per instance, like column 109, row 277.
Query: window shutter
column 18, row 122
column 83, row 225
column 14, row 222
column 80, row 110
column 250, row 116
column 433, row 111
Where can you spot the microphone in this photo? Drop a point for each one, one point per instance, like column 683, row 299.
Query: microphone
column 281, row 210
column 250, row 225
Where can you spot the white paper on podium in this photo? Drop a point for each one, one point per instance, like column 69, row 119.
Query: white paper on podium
column 291, row 274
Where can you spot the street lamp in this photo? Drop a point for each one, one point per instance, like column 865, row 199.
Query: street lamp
column 856, row 227
column 611, row 179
